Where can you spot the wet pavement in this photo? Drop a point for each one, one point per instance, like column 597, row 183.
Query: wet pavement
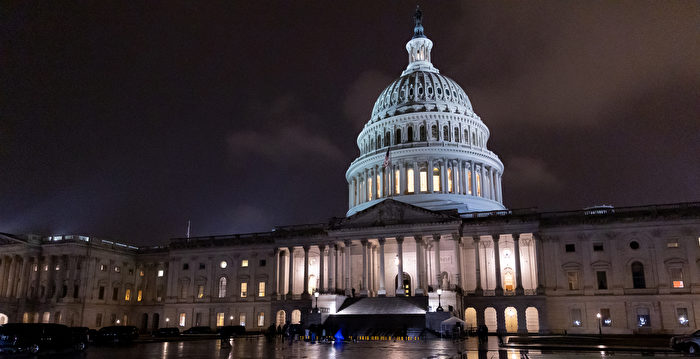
column 259, row 347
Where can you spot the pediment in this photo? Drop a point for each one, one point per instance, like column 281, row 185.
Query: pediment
column 392, row 212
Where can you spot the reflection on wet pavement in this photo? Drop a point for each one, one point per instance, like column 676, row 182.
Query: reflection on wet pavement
column 259, row 347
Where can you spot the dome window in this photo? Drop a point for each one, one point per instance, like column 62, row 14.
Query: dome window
column 410, row 93
column 420, row 91
column 447, row 92
column 430, row 90
column 439, row 91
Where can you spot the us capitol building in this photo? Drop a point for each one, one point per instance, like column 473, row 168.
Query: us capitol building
column 426, row 232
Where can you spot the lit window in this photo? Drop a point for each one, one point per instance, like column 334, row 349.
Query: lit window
column 436, row 179
column 478, row 185
column 397, row 183
column 200, row 291
column 139, row 295
column 449, row 180
column 672, row 243
column 605, row 318
column 103, row 267
column 261, row 289
column 469, row 182
column 223, row 265
column 141, row 274
column 423, row 177
column 46, row 267
column 220, row 319
column 241, row 319
column 379, row 185
column 35, row 267
column 244, row 290
column 58, row 267
column 369, row 189
column 573, row 280
column 244, row 263
column 643, row 318
column 576, row 317
column 127, row 295
column 222, row 287
column 182, row 320
column 46, row 317
column 161, row 272
column 117, row 269
column 410, row 178
column 676, row 277
column 682, row 314
column 261, row 319
column 458, row 182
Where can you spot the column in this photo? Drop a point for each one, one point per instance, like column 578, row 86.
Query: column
column 275, row 273
column 305, row 293
column 3, row 273
column 24, row 279
column 382, row 289
column 430, row 176
column 500, row 319
column 419, row 264
column 363, row 282
column 518, row 280
column 477, row 266
column 348, row 268
column 458, row 258
column 331, row 269
column 473, row 172
column 399, row 284
column 12, row 266
column 522, row 320
column 436, row 265
column 493, row 184
column 416, row 177
column 375, row 188
column 481, row 184
column 337, row 281
column 497, row 261
column 290, row 274
column 321, row 269
column 443, row 176
column 539, row 254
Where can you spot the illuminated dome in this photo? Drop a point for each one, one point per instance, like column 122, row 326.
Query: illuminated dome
column 424, row 145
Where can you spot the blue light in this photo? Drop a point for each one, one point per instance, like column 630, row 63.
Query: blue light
column 339, row 336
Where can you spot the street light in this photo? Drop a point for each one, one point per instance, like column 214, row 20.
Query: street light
column 167, row 322
column 316, row 294
column 231, row 319
column 118, row 321
column 600, row 327
column 439, row 308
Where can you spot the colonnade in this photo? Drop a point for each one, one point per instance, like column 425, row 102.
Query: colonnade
column 338, row 274
column 411, row 177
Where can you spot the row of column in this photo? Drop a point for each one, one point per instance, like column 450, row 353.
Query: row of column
column 377, row 182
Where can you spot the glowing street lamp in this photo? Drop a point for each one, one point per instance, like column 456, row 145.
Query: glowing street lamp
column 167, row 322
column 231, row 319
column 118, row 321
column 439, row 308
column 316, row 294
column 600, row 326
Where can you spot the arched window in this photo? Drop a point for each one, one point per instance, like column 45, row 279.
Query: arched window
column 296, row 316
column 456, row 139
column 222, row 287
column 409, row 134
column 423, row 135
column 387, row 138
column 638, row 275
column 379, row 141
column 466, row 136
column 434, row 132
column 397, row 137
column 445, row 133
column 436, row 179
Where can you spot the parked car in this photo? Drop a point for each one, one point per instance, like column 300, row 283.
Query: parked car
column 39, row 337
column 166, row 332
column 689, row 343
column 117, row 334
column 199, row 330
column 83, row 333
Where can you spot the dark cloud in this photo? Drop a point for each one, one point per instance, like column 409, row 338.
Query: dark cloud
column 126, row 120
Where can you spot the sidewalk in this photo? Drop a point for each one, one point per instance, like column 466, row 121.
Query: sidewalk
column 656, row 343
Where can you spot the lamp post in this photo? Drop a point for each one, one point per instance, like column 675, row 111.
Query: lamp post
column 600, row 326
column 231, row 319
column 316, row 294
column 118, row 321
column 439, row 308
column 167, row 322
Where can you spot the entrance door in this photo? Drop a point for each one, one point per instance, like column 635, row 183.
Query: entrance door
column 406, row 285
column 156, row 320
column 144, row 323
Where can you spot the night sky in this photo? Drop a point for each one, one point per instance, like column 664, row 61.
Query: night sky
column 127, row 119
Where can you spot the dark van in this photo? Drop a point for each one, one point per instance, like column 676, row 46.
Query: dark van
column 39, row 337
column 124, row 334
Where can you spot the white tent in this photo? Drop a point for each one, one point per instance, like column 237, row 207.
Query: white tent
column 447, row 325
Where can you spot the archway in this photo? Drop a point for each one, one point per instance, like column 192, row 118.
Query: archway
column 532, row 320
column 490, row 319
column 470, row 318
column 508, row 284
column 144, row 322
column 156, row 321
column 281, row 318
column 444, row 280
column 511, row 320
column 312, row 284
column 406, row 285
column 3, row 319
column 296, row 316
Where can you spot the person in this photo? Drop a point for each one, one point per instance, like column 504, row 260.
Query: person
column 225, row 334
column 353, row 292
column 482, row 331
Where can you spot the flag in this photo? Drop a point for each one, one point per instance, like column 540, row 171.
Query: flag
column 387, row 160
